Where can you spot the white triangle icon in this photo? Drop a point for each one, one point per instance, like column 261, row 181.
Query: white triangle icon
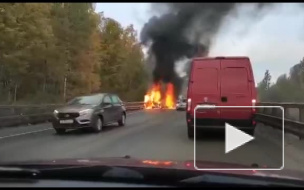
column 235, row 138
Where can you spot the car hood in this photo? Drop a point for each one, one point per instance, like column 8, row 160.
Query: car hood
column 170, row 164
column 74, row 108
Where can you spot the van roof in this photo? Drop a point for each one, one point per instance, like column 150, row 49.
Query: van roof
column 221, row 57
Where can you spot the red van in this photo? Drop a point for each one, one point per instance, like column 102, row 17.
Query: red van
column 221, row 81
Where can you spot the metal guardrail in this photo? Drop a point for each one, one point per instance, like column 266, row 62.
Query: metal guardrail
column 33, row 114
column 134, row 105
column 293, row 117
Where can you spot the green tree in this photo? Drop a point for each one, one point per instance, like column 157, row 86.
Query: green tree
column 264, row 85
column 51, row 52
column 286, row 89
column 25, row 36
column 122, row 64
column 76, row 30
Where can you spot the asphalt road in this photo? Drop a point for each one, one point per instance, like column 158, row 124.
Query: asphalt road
column 150, row 134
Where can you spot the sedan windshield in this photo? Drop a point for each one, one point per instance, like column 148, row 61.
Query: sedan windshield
column 86, row 100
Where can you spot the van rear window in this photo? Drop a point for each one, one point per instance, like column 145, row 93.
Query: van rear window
column 234, row 80
column 205, row 80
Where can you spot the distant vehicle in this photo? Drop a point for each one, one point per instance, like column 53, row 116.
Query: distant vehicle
column 221, row 81
column 181, row 104
column 91, row 111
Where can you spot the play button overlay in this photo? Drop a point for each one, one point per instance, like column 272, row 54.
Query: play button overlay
column 230, row 144
column 235, row 138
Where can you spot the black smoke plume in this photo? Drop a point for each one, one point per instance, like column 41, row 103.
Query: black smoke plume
column 185, row 30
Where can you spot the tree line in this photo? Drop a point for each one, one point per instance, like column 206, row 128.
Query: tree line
column 286, row 89
column 52, row 52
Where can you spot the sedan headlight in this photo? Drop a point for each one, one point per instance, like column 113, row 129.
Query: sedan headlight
column 85, row 112
column 55, row 113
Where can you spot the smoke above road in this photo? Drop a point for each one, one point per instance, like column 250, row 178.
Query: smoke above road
column 184, row 30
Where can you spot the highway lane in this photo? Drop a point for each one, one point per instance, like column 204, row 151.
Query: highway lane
column 7, row 132
column 150, row 134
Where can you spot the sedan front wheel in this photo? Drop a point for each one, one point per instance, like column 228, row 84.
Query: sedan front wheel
column 98, row 125
column 122, row 121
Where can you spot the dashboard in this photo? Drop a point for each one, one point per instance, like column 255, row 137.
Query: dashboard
column 66, row 183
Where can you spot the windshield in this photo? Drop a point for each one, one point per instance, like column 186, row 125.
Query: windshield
column 89, row 100
column 174, row 82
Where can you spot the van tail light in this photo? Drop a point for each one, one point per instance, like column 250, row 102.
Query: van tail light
column 253, row 104
column 189, row 104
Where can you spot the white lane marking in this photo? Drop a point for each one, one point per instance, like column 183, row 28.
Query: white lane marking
column 14, row 135
column 26, row 133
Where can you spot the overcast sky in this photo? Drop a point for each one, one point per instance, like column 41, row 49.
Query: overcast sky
column 127, row 13
column 274, row 42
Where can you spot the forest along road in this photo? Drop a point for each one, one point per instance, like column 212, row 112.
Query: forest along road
column 149, row 134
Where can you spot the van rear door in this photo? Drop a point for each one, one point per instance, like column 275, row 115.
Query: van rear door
column 204, row 86
column 236, row 77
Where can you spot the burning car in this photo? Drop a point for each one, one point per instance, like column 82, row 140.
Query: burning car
column 155, row 100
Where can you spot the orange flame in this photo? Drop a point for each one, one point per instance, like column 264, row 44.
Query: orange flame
column 170, row 96
column 154, row 99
